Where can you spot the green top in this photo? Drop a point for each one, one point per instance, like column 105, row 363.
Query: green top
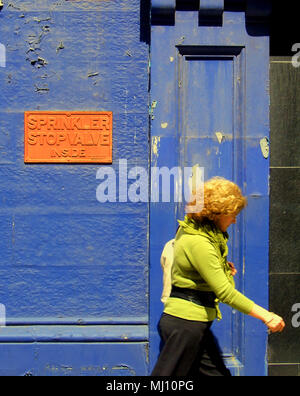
column 200, row 263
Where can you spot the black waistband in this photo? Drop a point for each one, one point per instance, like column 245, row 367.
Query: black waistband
column 205, row 299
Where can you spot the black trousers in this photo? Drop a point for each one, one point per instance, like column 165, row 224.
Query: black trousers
column 189, row 349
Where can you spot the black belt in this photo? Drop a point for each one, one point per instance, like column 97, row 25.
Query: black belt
column 203, row 298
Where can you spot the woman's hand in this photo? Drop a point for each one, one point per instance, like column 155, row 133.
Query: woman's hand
column 233, row 270
column 275, row 324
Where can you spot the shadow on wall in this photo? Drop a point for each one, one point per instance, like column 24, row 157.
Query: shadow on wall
column 257, row 15
column 145, row 32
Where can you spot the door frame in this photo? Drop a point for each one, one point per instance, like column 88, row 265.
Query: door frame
column 253, row 175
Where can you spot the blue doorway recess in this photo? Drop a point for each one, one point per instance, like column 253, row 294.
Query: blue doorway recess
column 210, row 106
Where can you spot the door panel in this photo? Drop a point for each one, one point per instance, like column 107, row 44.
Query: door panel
column 208, row 105
column 208, row 95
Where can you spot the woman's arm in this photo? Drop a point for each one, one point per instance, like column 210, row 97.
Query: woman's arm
column 274, row 322
column 206, row 262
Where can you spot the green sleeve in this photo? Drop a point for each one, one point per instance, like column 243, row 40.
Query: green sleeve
column 206, row 262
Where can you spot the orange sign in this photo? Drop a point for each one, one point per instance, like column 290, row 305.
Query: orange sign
column 68, row 137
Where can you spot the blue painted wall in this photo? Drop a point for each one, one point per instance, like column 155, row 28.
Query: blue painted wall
column 65, row 258
column 73, row 271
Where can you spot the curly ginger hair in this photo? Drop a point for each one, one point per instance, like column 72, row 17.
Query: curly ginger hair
column 221, row 197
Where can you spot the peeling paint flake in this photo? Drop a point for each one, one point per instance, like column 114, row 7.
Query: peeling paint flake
column 41, row 89
column 60, row 47
column 38, row 20
column 152, row 108
column 265, row 147
column 124, row 367
column 93, row 74
column 39, row 62
column 11, row 5
column 220, row 137
column 155, row 144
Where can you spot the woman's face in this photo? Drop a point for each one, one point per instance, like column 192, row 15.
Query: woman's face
column 224, row 221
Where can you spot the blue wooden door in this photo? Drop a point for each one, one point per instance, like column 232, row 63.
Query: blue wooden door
column 210, row 107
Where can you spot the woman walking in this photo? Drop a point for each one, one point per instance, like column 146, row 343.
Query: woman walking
column 201, row 277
